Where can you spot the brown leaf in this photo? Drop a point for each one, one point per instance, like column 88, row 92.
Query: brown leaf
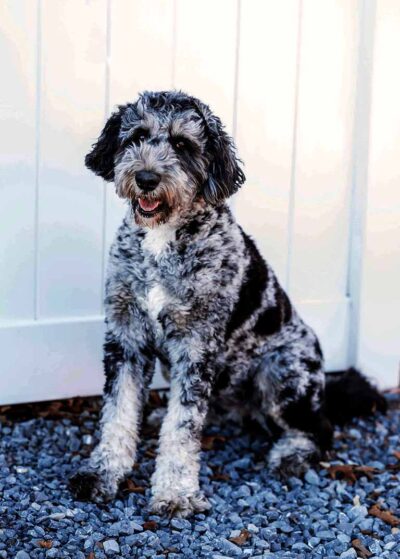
column 130, row 486
column 350, row 472
column 208, row 443
column 150, row 453
column 360, row 548
column 395, row 468
column 368, row 471
column 150, row 525
column 385, row 515
column 91, row 555
column 219, row 476
column 342, row 471
column 45, row 544
column 155, row 399
column 397, row 454
column 242, row 538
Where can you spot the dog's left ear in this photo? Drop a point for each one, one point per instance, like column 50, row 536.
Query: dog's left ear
column 225, row 175
column 101, row 159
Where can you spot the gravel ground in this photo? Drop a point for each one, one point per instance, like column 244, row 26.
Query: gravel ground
column 334, row 512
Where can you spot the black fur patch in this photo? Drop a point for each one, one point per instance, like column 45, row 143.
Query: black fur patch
column 286, row 306
column 101, row 159
column 190, row 228
column 112, row 360
column 251, row 290
column 349, row 394
column 269, row 322
column 298, row 415
column 83, row 485
column 312, row 365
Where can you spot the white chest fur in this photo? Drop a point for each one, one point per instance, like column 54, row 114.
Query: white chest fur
column 157, row 239
column 157, row 298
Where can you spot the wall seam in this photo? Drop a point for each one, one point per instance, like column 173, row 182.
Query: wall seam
column 236, row 69
column 174, row 43
column 292, row 191
column 232, row 200
column 359, row 171
column 107, row 71
column 38, row 109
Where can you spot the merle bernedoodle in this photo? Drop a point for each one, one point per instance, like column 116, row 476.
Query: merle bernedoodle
column 187, row 286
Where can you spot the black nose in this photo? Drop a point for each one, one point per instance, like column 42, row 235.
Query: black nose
column 147, row 180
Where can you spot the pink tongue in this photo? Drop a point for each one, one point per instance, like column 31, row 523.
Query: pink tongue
column 148, row 205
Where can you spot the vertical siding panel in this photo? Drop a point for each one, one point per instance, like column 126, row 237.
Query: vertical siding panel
column 141, row 58
column 379, row 340
column 206, row 53
column 265, row 117
column 18, row 55
column 70, row 202
column 320, row 225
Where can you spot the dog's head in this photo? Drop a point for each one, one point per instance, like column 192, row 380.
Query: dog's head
column 165, row 153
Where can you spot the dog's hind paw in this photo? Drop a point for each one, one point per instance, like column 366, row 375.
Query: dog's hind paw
column 293, row 454
column 179, row 505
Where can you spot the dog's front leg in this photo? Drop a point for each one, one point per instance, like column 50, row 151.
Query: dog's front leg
column 127, row 377
column 175, row 482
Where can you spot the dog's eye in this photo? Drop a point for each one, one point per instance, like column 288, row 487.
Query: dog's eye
column 140, row 136
column 179, row 144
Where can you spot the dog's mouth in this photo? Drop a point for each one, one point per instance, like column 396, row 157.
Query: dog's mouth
column 147, row 207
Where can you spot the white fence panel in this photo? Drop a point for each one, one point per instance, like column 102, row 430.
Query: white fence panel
column 265, row 123
column 379, row 340
column 70, row 202
column 319, row 220
column 18, row 48
column 282, row 75
column 205, row 55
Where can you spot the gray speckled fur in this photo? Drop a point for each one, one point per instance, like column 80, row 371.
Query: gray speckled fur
column 190, row 288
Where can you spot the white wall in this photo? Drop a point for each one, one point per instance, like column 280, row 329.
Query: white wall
column 379, row 334
column 292, row 80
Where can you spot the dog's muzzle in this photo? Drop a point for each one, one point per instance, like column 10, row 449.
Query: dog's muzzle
column 147, row 180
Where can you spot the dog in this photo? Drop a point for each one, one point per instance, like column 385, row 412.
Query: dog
column 187, row 286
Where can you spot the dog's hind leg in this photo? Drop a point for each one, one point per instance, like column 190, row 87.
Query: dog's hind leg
column 124, row 395
column 291, row 379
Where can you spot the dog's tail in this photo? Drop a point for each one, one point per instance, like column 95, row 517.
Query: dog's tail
column 350, row 394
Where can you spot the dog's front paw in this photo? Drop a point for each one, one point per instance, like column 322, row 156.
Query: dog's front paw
column 88, row 485
column 171, row 504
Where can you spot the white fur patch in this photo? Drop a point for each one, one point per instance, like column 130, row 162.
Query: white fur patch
column 116, row 451
column 157, row 299
column 294, row 449
column 178, row 460
column 157, row 239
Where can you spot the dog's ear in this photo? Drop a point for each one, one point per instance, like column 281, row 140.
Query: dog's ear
column 100, row 159
column 225, row 175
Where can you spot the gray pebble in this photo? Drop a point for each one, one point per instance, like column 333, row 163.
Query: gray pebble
column 310, row 517
column 348, row 554
column 22, row 555
column 111, row 547
column 181, row 524
column 311, row 477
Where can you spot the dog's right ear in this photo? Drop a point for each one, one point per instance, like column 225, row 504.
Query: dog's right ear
column 101, row 159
